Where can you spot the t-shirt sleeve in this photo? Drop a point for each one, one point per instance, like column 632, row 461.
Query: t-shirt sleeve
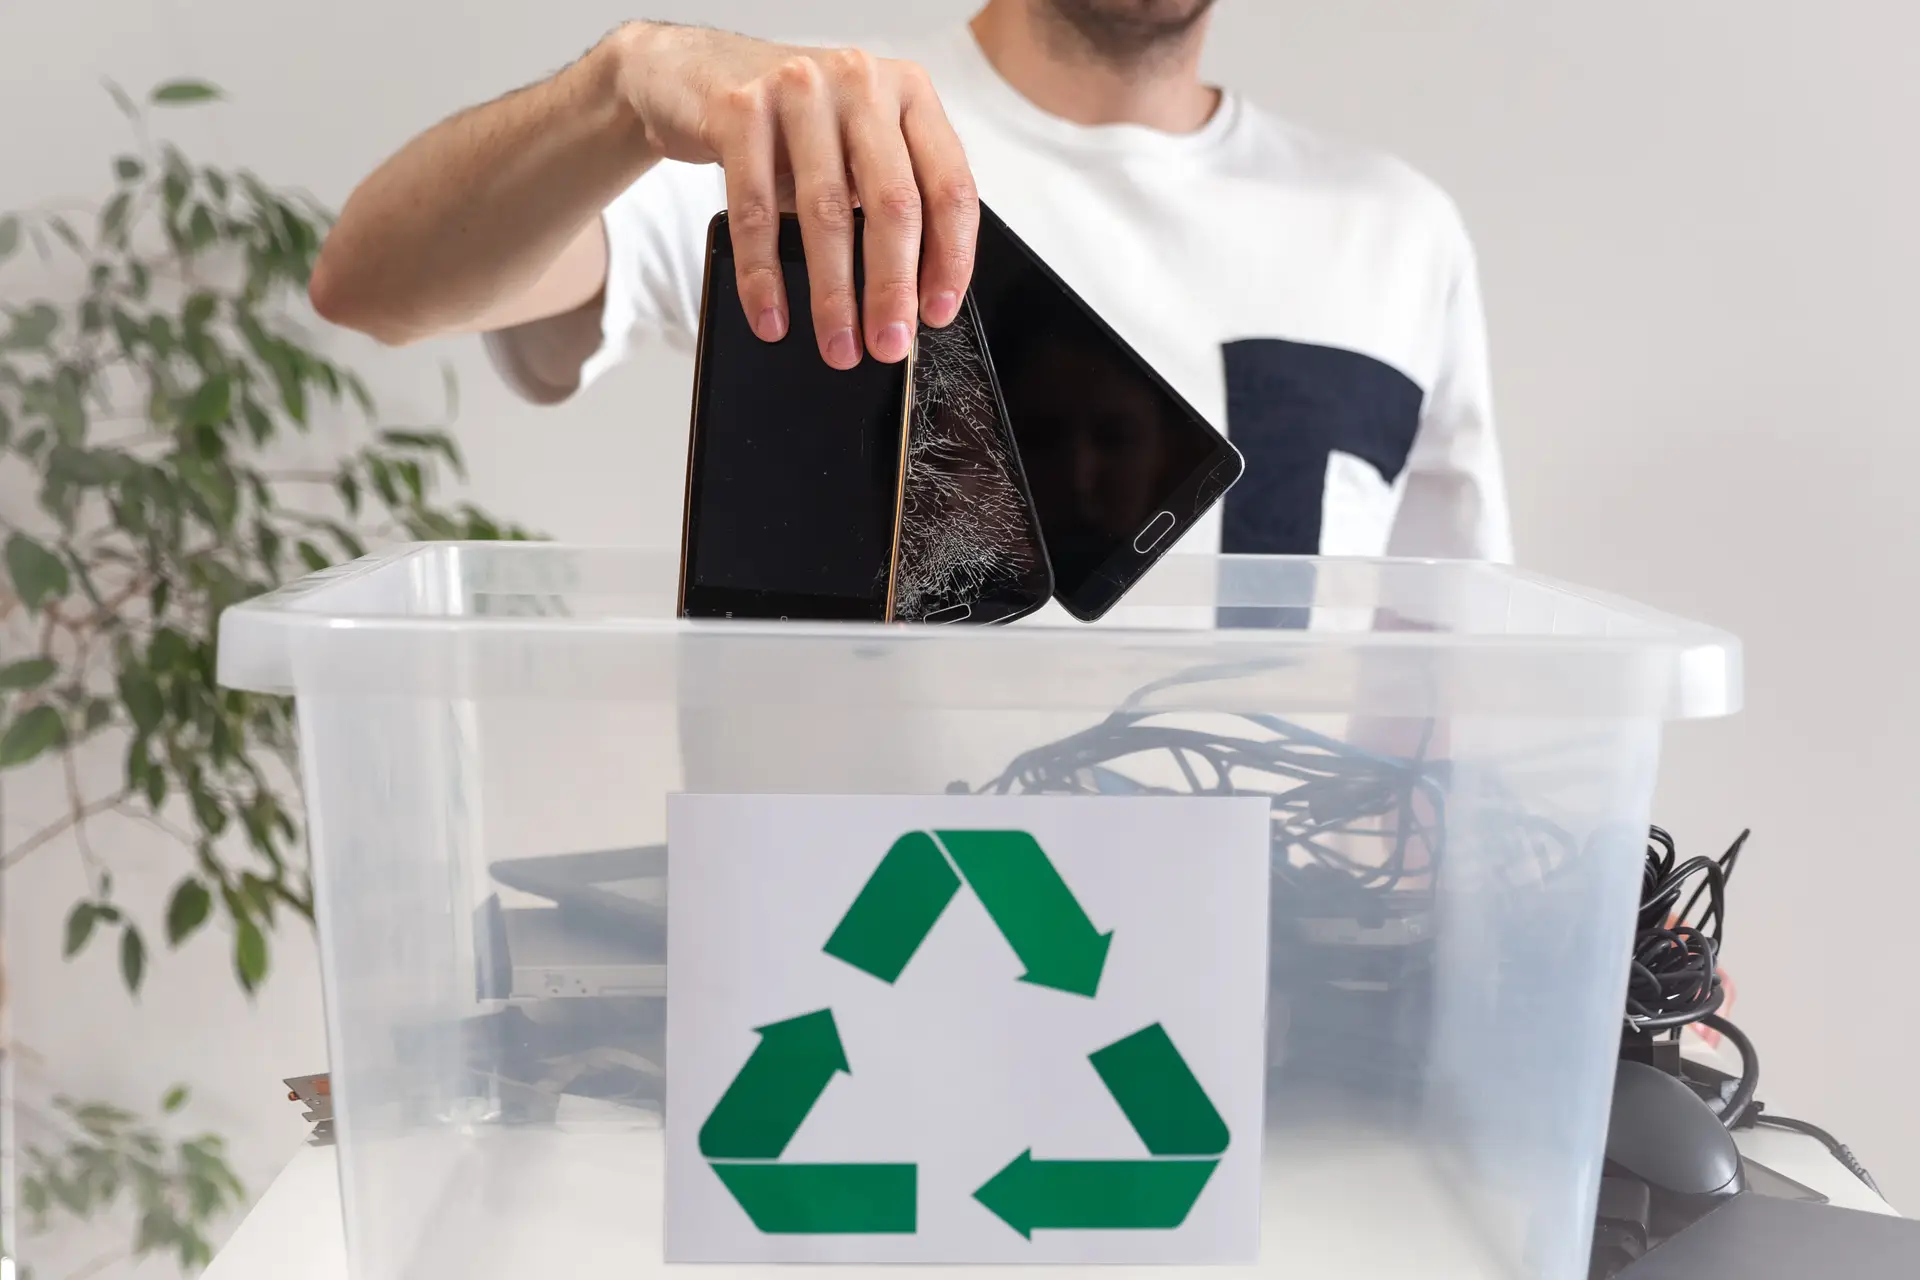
column 656, row 249
column 1455, row 502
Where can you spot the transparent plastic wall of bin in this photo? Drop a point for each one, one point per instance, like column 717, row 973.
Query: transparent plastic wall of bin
column 1444, row 1005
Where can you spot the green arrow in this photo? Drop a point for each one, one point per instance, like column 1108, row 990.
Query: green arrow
column 896, row 909
column 1094, row 1195
column 825, row 1199
column 1032, row 907
column 1163, row 1101
column 764, row 1106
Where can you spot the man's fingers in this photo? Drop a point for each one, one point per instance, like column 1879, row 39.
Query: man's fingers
column 753, row 212
column 890, row 197
column 824, row 201
column 952, row 208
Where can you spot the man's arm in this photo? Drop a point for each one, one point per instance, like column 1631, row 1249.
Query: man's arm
column 1455, row 503
column 490, row 222
column 489, row 219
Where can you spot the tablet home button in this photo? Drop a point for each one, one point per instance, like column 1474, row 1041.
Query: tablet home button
column 1157, row 528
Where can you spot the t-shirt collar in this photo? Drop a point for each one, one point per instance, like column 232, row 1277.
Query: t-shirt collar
column 1008, row 105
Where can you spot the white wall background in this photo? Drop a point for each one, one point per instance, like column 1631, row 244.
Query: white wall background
column 1700, row 231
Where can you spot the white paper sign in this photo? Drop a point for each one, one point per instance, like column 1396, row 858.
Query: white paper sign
column 965, row 1029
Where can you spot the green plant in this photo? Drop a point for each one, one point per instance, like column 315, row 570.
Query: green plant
column 148, row 409
column 164, row 409
column 177, row 1187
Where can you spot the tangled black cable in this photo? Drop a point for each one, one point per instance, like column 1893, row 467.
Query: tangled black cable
column 1325, row 793
column 1675, row 977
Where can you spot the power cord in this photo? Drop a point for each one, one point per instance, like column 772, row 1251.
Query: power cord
column 1735, row 1108
column 1840, row 1150
column 1350, row 825
column 1325, row 793
column 1675, row 979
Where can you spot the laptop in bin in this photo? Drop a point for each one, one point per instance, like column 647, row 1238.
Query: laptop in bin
column 604, row 936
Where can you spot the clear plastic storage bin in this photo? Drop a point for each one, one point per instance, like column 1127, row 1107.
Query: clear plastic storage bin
column 1462, row 762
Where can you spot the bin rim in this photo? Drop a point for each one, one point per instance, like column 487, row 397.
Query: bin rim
column 257, row 636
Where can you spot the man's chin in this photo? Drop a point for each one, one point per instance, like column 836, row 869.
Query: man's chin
column 1129, row 30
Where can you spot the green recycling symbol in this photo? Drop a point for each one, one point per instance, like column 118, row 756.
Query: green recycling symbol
column 795, row 1061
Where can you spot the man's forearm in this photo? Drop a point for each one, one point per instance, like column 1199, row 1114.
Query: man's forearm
column 469, row 219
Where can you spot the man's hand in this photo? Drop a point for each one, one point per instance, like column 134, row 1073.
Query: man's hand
column 818, row 131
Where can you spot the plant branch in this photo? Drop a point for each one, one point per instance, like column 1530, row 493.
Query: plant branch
column 80, row 816
column 54, row 830
column 100, row 1264
column 151, row 819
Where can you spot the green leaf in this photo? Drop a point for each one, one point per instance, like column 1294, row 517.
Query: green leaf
column 381, row 473
column 312, row 557
column 9, row 235
column 209, row 812
column 140, row 279
column 113, row 218
column 80, row 922
column 32, row 329
column 28, row 673
column 176, row 1098
column 187, row 911
column 250, row 954
column 169, row 650
column 158, row 1230
column 199, row 309
column 133, row 958
column 429, row 442
column 121, row 100
column 64, row 229
column 31, row 734
column 267, row 540
column 88, row 467
column 99, row 714
column 293, row 393
column 259, row 425
column 181, row 92
column 216, row 183
column 201, row 231
column 156, row 787
column 211, row 404
column 358, row 390
column 38, row 575
column 128, row 331
column 69, row 409
column 128, row 169
column 144, row 703
column 350, row 545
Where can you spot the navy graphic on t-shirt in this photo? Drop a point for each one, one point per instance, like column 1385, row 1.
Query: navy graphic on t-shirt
column 1290, row 405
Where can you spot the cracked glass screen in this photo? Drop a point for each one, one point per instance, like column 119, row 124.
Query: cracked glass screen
column 970, row 545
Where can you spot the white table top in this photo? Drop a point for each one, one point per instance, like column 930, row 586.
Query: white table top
column 294, row 1232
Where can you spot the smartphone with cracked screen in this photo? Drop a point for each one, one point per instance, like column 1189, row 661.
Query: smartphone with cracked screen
column 794, row 468
column 970, row 544
column 1119, row 463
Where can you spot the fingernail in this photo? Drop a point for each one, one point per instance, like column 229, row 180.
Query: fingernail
column 891, row 342
column 843, row 349
column 772, row 325
column 943, row 308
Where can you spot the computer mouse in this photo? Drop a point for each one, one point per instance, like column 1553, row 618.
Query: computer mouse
column 1665, row 1134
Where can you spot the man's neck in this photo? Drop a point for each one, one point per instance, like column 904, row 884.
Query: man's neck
column 1052, row 70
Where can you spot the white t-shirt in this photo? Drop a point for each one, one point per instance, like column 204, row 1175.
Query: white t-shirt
column 1317, row 303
